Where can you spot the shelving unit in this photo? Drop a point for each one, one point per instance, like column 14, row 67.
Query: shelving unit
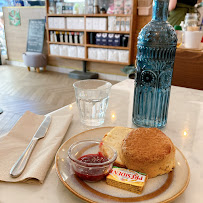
column 86, row 32
column 107, row 47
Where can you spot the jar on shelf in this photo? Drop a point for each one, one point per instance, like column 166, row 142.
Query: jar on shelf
column 70, row 8
column 76, row 8
column 96, row 7
column 59, row 6
column 191, row 22
column 90, row 7
column 52, row 8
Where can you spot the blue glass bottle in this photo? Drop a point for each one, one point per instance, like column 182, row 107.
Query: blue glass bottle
column 156, row 48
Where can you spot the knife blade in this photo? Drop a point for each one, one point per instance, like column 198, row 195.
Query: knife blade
column 19, row 166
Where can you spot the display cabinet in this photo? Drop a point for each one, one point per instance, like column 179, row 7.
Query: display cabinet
column 106, row 36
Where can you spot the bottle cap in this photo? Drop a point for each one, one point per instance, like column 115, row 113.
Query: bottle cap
column 177, row 27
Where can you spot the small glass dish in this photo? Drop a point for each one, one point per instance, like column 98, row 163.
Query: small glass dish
column 89, row 161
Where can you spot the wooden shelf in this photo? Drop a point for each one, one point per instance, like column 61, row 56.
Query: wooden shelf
column 106, row 15
column 90, row 45
column 99, row 31
column 86, row 59
column 107, row 47
column 64, row 43
column 112, row 62
column 65, row 15
column 88, row 15
column 108, row 31
column 64, row 30
column 68, row 57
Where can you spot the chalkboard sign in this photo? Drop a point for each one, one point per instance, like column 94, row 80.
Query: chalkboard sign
column 35, row 38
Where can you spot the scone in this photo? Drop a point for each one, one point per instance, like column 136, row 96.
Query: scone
column 148, row 150
column 114, row 138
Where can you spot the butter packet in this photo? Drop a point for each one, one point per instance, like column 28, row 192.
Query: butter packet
column 127, row 179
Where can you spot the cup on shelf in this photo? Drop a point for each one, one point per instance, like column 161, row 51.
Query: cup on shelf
column 92, row 100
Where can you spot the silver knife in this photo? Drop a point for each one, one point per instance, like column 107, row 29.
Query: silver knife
column 19, row 166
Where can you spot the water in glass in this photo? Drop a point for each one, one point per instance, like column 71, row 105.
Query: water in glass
column 92, row 100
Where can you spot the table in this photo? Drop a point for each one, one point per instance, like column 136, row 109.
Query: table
column 184, row 127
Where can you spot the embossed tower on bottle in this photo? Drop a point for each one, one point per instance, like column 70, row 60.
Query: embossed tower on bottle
column 156, row 49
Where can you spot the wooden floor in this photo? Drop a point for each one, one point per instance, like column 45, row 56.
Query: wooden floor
column 41, row 93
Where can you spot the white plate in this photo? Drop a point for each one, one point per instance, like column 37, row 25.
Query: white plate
column 163, row 188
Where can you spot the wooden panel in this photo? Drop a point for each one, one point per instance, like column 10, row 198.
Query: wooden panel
column 16, row 36
column 107, row 47
column 65, row 63
column 105, row 68
column 188, row 69
column 91, row 66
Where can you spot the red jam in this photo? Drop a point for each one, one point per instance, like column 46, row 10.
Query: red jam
column 93, row 158
column 95, row 174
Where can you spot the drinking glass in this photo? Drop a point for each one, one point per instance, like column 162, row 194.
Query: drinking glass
column 92, row 100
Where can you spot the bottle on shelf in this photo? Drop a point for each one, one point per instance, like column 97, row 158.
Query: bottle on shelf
column 52, row 36
column 92, row 37
column 59, row 6
column 55, row 36
column 66, row 37
column 70, row 38
column 64, row 8
column 70, row 8
column 76, row 38
column 96, row 7
column 52, row 7
column 124, row 41
column 81, row 38
column 81, row 8
column 156, row 48
column 90, row 7
column 58, row 36
column 61, row 37
column 76, row 8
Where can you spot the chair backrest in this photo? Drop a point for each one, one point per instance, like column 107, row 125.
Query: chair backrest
column 35, row 38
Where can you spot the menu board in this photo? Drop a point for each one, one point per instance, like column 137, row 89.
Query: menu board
column 35, row 39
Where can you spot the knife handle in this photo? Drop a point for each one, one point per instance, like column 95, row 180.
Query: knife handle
column 19, row 166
